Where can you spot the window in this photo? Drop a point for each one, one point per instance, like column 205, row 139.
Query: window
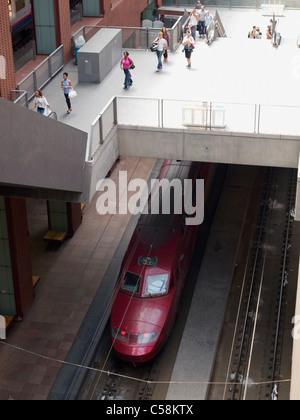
column 131, row 282
column 157, row 285
column 20, row 4
column 10, row 11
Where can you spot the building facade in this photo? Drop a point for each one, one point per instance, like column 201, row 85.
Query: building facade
column 51, row 26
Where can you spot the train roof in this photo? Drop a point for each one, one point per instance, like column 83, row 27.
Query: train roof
column 170, row 171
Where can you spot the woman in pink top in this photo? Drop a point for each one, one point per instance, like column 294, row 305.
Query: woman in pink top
column 125, row 65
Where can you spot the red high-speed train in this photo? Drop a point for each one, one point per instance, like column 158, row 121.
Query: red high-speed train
column 153, row 274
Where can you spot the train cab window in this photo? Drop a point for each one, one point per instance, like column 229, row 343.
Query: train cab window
column 20, row 4
column 157, row 285
column 131, row 282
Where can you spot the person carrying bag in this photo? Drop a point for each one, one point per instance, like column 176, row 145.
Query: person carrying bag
column 125, row 65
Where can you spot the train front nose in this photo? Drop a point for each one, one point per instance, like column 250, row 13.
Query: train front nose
column 135, row 346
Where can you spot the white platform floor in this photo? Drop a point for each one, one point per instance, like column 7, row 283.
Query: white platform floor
column 233, row 70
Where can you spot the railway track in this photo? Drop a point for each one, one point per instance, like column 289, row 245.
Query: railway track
column 255, row 357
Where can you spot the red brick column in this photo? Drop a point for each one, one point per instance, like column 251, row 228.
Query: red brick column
column 63, row 27
column 124, row 13
column 7, row 70
column 18, row 236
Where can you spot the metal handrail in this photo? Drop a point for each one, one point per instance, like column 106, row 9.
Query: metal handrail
column 162, row 107
column 22, row 94
column 53, row 115
column 51, row 74
column 133, row 28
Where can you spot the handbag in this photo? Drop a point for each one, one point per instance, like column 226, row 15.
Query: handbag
column 154, row 45
column 132, row 66
column 72, row 94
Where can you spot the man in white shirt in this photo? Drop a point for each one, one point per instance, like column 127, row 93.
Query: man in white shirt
column 194, row 19
column 162, row 45
column 202, row 16
column 208, row 18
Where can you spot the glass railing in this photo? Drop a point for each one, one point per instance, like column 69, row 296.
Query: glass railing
column 193, row 115
column 132, row 37
column 43, row 73
column 230, row 3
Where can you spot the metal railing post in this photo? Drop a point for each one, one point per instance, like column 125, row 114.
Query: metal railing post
column 159, row 112
column 50, row 68
column 115, row 103
column 258, row 120
column 101, row 129
column 90, row 144
column 255, row 120
column 35, row 86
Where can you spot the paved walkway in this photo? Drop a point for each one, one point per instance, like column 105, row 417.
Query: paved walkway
column 70, row 276
column 232, row 70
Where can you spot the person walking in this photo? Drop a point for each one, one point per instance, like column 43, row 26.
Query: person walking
column 194, row 20
column 189, row 45
column 162, row 45
column 125, row 65
column 166, row 36
column 208, row 19
column 66, row 85
column 41, row 103
column 269, row 32
column 201, row 26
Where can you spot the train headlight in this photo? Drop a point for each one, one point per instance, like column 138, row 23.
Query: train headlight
column 148, row 338
column 120, row 335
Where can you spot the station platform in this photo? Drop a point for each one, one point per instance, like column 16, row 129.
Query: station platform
column 70, row 276
column 71, row 273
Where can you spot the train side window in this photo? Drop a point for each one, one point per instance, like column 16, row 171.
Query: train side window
column 10, row 10
column 20, row 4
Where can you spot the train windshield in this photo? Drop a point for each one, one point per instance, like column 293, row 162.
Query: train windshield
column 156, row 285
column 132, row 282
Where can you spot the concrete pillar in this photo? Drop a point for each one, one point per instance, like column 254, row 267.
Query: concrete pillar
column 7, row 69
column 16, row 287
column 297, row 209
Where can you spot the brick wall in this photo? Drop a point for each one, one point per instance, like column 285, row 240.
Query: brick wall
column 63, row 27
column 117, row 13
column 123, row 12
column 7, row 71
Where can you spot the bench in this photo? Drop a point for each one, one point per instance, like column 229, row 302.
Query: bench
column 35, row 280
column 55, row 236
